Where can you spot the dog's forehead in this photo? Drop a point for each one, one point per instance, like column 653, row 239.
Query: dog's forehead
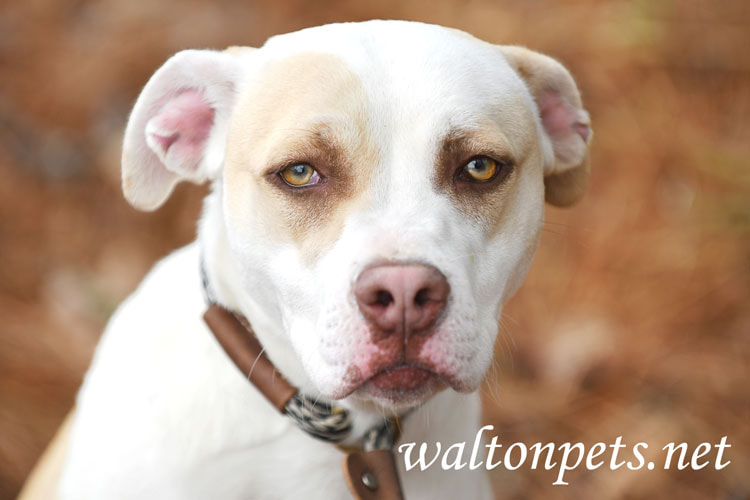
column 414, row 67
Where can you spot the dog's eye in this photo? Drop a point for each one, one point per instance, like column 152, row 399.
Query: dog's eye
column 480, row 169
column 300, row 175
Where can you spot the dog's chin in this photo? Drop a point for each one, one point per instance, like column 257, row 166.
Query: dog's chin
column 400, row 388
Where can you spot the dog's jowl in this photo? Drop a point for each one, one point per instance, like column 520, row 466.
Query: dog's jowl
column 378, row 192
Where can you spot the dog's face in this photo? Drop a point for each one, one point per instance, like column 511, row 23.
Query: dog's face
column 382, row 189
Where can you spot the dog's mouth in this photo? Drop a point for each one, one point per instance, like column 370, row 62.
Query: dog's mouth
column 401, row 378
column 402, row 383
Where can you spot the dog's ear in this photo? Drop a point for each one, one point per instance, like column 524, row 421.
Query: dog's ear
column 567, row 131
column 177, row 129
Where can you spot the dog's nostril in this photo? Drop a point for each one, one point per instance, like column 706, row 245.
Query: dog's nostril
column 401, row 299
column 422, row 297
column 383, row 298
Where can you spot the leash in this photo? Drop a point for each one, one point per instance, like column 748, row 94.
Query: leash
column 371, row 472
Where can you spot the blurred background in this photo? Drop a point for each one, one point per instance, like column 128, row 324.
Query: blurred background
column 634, row 320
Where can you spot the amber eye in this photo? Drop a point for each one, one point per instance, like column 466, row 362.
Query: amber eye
column 480, row 169
column 300, row 174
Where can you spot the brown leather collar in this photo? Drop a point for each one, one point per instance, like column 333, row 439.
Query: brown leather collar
column 370, row 475
column 242, row 346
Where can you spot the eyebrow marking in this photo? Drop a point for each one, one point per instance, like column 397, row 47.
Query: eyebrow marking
column 491, row 143
column 460, row 145
column 319, row 145
column 480, row 202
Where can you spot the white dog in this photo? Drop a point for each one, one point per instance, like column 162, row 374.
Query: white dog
column 378, row 195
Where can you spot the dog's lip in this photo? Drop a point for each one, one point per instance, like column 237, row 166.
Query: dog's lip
column 383, row 377
column 401, row 378
column 402, row 384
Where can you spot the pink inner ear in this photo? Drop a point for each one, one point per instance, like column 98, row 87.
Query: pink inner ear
column 181, row 129
column 561, row 120
column 165, row 141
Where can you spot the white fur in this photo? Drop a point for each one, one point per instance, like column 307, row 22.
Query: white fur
column 164, row 414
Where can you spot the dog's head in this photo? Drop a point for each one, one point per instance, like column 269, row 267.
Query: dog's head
column 381, row 187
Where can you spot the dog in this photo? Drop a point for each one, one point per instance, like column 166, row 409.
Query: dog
column 378, row 194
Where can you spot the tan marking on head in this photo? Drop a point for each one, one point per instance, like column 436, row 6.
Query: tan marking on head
column 310, row 108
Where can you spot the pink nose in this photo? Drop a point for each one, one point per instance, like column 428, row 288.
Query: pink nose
column 401, row 299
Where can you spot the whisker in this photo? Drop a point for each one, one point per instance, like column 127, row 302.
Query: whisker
column 252, row 367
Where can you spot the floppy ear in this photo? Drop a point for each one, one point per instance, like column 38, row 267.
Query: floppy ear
column 178, row 126
column 567, row 130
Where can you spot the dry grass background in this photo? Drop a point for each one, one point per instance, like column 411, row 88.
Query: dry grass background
column 635, row 318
